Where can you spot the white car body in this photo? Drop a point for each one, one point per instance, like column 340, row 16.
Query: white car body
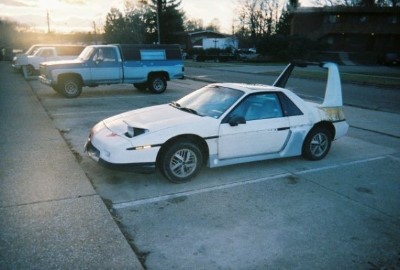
column 45, row 54
column 224, row 141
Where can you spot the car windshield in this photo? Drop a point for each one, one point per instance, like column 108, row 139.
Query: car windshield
column 86, row 53
column 210, row 101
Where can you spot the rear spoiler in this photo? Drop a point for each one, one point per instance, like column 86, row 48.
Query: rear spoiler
column 333, row 91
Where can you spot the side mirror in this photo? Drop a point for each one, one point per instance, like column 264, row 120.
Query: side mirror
column 236, row 120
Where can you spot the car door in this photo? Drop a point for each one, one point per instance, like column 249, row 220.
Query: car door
column 265, row 129
column 105, row 67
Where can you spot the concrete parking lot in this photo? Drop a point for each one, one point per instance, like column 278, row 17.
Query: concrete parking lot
column 342, row 212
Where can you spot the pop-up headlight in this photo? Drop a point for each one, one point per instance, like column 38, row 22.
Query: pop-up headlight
column 132, row 131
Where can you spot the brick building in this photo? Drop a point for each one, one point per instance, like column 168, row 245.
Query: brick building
column 368, row 30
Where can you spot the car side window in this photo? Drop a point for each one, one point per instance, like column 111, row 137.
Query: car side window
column 98, row 55
column 105, row 55
column 289, row 108
column 259, row 106
column 109, row 55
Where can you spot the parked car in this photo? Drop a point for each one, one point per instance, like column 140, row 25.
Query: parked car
column 21, row 59
column 222, row 124
column 146, row 66
column 16, row 61
column 61, row 52
column 390, row 59
column 247, row 54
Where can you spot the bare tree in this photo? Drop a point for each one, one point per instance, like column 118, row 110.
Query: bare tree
column 214, row 25
column 361, row 3
column 258, row 18
column 193, row 25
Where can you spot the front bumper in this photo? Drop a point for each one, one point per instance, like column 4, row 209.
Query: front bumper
column 44, row 80
column 142, row 167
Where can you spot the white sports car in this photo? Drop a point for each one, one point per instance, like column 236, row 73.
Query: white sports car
column 222, row 124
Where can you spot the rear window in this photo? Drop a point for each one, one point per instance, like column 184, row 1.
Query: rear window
column 152, row 54
column 289, row 108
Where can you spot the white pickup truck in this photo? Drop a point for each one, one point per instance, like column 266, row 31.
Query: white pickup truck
column 145, row 66
column 30, row 63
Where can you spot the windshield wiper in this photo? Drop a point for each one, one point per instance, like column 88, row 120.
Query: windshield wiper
column 189, row 110
column 175, row 104
column 185, row 109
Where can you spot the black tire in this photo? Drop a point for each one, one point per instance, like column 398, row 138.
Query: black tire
column 317, row 144
column 70, row 87
column 181, row 162
column 141, row 86
column 157, row 84
column 30, row 70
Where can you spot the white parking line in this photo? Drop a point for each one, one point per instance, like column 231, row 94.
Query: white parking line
column 134, row 203
column 86, row 113
column 341, row 164
column 197, row 191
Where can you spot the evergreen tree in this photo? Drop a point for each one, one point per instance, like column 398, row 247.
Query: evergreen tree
column 171, row 21
column 114, row 28
column 284, row 24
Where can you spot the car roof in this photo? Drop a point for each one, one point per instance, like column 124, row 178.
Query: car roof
column 250, row 88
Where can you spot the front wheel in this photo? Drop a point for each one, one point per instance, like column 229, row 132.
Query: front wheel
column 30, row 70
column 157, row 84
column 181, row 162
column 317, row 144
column 70, row 87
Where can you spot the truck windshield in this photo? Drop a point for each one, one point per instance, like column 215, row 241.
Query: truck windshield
column 86, row 53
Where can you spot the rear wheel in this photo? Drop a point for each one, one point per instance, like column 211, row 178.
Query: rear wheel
column 181, row 162
column 70, row 87
column 317, row 144
column 157, row 84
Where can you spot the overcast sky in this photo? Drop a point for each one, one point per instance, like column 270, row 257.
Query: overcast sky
column 80, row 15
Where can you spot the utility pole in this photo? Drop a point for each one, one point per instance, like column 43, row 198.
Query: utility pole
column 159, row 10
column 48, row 22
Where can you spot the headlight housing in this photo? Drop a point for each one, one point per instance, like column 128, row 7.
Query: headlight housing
column 133, row 131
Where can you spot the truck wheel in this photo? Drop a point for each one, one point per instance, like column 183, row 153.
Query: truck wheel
column 70, row 87
column 157, row 84
column 140, row 86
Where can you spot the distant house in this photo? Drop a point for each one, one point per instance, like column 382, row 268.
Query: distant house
column 350, row 29
column 192, row 39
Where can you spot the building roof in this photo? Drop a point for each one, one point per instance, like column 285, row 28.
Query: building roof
column 349, row 9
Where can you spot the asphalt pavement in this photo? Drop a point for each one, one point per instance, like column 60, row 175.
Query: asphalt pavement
column 50, row 215
column 52, row 218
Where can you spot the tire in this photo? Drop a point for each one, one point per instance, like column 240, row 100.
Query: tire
column 70, row 87
column 157, row 84
column 140, row 86
column 30, row 70
column 181, row 162
column 317, row 144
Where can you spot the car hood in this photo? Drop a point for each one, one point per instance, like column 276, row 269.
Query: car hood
column 152, row 118
column 64, row 63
